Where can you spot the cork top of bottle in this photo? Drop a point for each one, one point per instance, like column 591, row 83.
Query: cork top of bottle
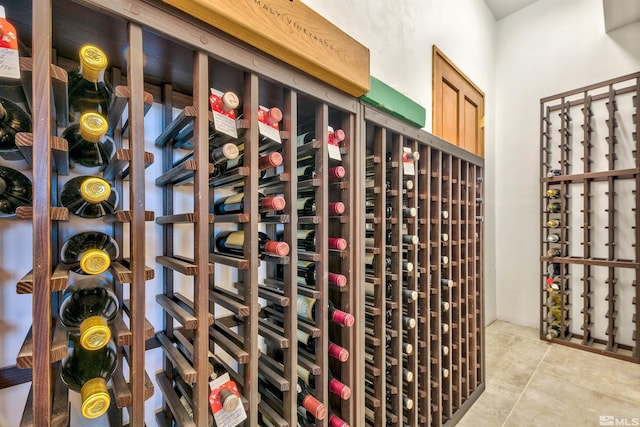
column 94, row 261
column 230, row 100
column 95, row 398
column 94, row 333
column 95, row 190
column 230, row 151
column 93, row 127
column 93, row 58
column 229, row 400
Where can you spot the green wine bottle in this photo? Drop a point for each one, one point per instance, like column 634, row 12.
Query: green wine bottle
column 92, row 251
column 13, row 119
column 15, row 190
column 88, row 91
column 89, row 197
column 88, row 305
column 87, row 372
column 88, row 143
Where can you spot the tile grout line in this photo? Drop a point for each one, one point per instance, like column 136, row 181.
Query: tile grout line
column 527, row 385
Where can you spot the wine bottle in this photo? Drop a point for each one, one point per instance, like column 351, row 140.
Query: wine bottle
column 553, row 252
column 334, row 137
column 229, row 400
column 235, row 204
column 446, row 283
column 92, row 251
column 445, row 214
column 224, row 103
column 553, row 331
column 335, row 386
column 232, row 243
column 89, row 145
column 266, row 161
column 88, row 91
column 89, row 197
column 553, row 223
column 305, row 419
column 308, row 171
column 554, row 172
column 88, row 306
column 13, row 119
column 270, row 116
column 307, row 275
column 553, row 238
column 15, row 190
column 305, row 398
column 87, row 372
column 307, row 241
column 553, row 269
column 553, row 193
column 410, row 156
column 554, row 207
column 306, row 310
column 306, row 204
column 338, row 352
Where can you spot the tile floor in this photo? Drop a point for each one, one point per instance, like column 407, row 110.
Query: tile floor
column 534, row 383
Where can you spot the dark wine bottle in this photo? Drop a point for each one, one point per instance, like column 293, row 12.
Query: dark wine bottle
column 88, row 91
column 232, row 243
column 88, row 305
column 335, row 386
column 92, row 251
column 307, row 275
column 15, row 190
column 88, row 144
column 235, row 204
column 13, row 119
column 269, row 160
column 87, row 372
column 307, row 241
column 305, row 398
column 89, row 197
column 306, row 310
column 306, row 204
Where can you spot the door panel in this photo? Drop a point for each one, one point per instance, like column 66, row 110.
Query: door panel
column 458, row 106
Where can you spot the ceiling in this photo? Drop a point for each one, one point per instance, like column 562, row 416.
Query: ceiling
column 502, row 8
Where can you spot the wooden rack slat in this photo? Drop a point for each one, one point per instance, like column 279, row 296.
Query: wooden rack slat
column 59, row 347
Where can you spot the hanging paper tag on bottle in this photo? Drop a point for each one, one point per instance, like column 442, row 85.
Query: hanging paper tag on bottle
column 408, row 168
column 9, row 57
column 225, row 403
column 267, row 129
column 224, row 121
column 334, row 147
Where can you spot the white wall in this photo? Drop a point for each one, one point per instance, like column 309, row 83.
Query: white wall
column 400, row 36
column 547, row 48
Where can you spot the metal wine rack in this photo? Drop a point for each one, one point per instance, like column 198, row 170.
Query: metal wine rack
column 242, row 309
column 589, row 234
column 445, row 179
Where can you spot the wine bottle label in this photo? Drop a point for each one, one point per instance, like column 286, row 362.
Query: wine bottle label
column 301, row 171
column 303, row 374
column 368, row 258
column 334, row 150
column 237, row 198
column 340, row 389
column 301, row 202
column 9, row 56
column 303, row 234
column 269, row 132
column 305, row 306
column 300, row 138
column 408, row 167
column 303, row 337
column 369, row 288
column 235, row 239
column 224, row 124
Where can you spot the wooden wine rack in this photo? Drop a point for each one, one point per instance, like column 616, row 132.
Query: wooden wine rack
column 242, row 310
column 446, row 179
column 590, row 136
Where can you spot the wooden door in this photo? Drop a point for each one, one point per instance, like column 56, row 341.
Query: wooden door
column 458, row 106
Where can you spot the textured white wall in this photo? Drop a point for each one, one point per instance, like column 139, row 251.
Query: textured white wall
column 547, row 48
column 400, row 36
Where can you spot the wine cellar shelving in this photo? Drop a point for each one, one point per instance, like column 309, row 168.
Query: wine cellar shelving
column 423, row 276
column 589, row 216
column 357, row 314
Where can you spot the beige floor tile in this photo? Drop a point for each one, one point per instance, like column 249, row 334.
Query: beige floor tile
column 492, row 407
column 500, row 326
column 550, row 402
column 603, row 374
column 513, row 358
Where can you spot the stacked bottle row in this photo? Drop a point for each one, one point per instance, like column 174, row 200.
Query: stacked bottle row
column 89, row 270
column 278, row 265
column 589, row 251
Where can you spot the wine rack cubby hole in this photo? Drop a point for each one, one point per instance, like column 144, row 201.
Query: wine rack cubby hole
column 243, row 309
column 589, row 216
